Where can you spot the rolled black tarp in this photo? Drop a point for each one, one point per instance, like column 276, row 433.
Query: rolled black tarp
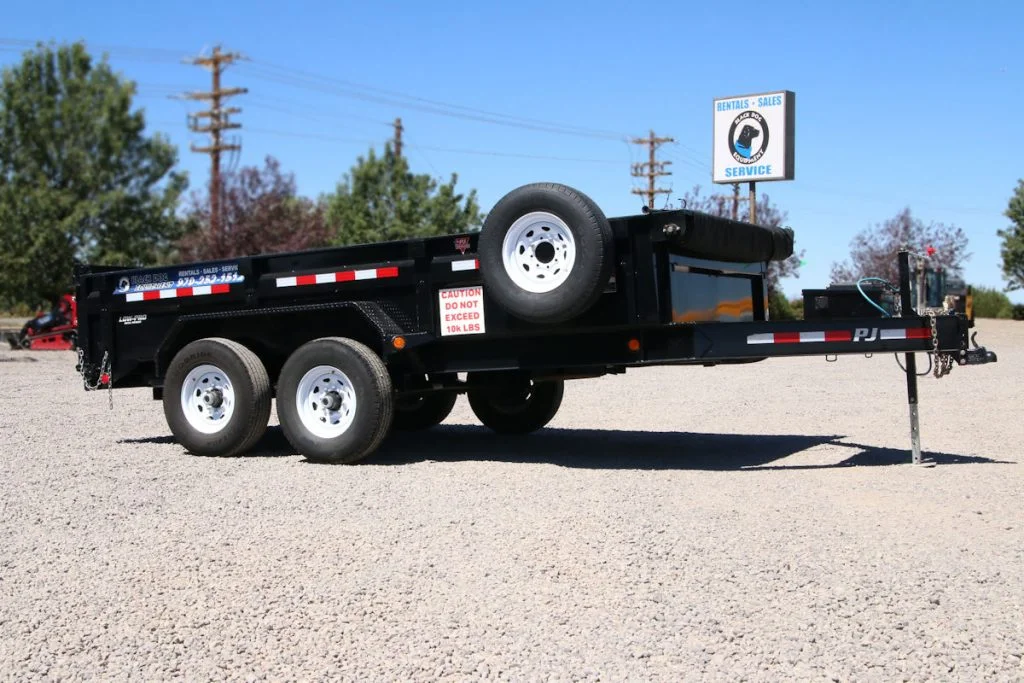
column 706, row 236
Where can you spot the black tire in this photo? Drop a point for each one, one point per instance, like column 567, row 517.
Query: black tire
column 424, row 411
column 252, row 397
column 588, row 275
column 367, row 380
column 518, row 407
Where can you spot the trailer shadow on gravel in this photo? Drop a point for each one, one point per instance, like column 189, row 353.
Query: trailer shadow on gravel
column 641, row 450
column 617, row 449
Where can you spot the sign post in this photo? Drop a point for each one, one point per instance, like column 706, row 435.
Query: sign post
column 754, row 140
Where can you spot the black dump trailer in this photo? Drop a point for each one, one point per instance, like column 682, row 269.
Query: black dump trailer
column 355, row 341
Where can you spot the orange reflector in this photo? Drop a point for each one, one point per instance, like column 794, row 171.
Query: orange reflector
column 634, row 344
column 398, row 343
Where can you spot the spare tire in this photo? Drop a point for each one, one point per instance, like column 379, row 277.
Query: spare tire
column 546, row 252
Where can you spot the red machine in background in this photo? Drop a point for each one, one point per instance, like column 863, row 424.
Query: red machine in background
column 56, row 329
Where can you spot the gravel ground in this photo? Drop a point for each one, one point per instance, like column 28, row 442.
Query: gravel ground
column 734, row 523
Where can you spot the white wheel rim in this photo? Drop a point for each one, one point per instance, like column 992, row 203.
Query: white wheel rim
column 326, row 401
column 207, row 399
column 544, row 270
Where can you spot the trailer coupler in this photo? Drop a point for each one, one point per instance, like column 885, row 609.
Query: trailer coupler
column 979, row 355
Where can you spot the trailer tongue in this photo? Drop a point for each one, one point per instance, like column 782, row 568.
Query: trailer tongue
column 355, row 341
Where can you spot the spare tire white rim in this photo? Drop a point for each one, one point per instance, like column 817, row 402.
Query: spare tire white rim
column 207, row 399
column 538, row 252
column 326, row 401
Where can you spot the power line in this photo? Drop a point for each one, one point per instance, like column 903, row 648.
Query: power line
column 438, row 103
column 419, row 148
column 331, row 86
column 312, row 136
column 515, row 155
column 259, row 102
column 289, row 134
column 142, row 54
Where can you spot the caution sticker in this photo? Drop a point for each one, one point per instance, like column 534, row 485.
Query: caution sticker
column 461, row 310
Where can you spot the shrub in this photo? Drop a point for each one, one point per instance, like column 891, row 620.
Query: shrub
column 778, row 306
column 797, row 306
column 991, row 303
column 1018, row 312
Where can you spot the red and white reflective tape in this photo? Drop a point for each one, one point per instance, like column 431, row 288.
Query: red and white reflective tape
column 903, row 333
column 862, row 334
column 467, row 264
column 341, row 276
column 177, row 293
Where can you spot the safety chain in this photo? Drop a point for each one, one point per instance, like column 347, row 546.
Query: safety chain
column 110, row 380
column 943, row 361
column 104, row 371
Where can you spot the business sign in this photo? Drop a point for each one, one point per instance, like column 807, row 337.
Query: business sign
column 753, row 137
column 204, row 275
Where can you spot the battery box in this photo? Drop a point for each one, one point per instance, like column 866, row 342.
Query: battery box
column 844, row 301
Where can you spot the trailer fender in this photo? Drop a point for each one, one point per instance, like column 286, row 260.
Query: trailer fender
column 365, row 321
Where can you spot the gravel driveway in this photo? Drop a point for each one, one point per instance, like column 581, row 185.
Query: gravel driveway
column 735, row 523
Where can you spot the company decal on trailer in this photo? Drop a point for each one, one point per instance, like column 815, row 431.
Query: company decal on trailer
column 860, row 334
column 338, row 276
column 136, row 319
column 179, row 282
column 461, row 310
column 462, row 244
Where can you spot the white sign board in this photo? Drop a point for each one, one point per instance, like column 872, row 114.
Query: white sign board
column 461, row 310
column 753, row 137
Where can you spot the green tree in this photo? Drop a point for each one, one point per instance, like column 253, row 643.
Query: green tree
column 991, row 303
column 1013, row 240
column 380, row 200
column 79, row 180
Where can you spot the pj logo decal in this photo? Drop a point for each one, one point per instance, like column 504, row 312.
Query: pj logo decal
column 748, row 137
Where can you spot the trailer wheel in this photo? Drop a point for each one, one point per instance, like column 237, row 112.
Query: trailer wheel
column 217, row 397
column 546, row 252
column 424, row 411
column 334, row 400
column 517, row 407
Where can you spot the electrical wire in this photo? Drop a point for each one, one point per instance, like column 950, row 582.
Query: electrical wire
column 141, row 54
column 300, row 76
column 516, row 155
column 919, row 374
column 413, row 146
column 430, row 109
column 891, row 286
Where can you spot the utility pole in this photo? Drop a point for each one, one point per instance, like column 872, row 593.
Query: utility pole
column 218, row 121
column 753, row 202
column 398, row 137
column 651, row 168
column 736, row 199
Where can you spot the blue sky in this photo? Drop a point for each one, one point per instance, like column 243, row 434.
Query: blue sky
column 898, row 104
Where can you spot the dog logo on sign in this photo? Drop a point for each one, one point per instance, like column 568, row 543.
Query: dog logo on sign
column 462, row 244
column 748, row 137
